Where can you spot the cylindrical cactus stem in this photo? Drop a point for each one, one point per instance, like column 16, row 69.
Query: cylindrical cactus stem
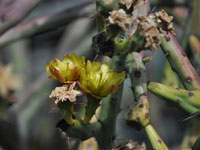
column 156, row 142
column 110, row 107
column 187, row 100
column 170, row 77
column 78, row 130
column 137, row 72
column 138, row 116
column 180, row 63
column 182, row 66
column 91, row 107
column 66, row 111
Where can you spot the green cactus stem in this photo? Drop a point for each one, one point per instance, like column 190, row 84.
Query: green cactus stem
column 137, row 73
column 122, row 46
column 109, row 110
column 180, row 63
column 187, row 100
column 110, row 107
column 138, row 116
column 156, row 142
column 66, row 111
column 185, row 71
column 91, row 107
column 78, row 130
column 170, row 78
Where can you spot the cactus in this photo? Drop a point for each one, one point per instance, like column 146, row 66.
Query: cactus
column 180, row 63
column 156, row 141
column 170, row 78
column 124, row 35
column 187, row 100
column 185, row 71
column 138, row 116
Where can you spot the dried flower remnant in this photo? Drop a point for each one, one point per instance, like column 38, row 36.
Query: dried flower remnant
column 66, row 71
column 145, row 22
column 155, row 26
column 8, row 81
column 152, row 37
column 99, row 81
column 151, row 33
column 66, row 92
column 121, row 19
column 164, row 21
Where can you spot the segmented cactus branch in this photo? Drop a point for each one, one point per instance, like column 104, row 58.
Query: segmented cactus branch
column 137, row 73
column 90, row 108
column 185, row 71
column 180, row 63
column 110, row 108
column 138, row 116
column 187, row 100
column 156, row 141
column 80, row 131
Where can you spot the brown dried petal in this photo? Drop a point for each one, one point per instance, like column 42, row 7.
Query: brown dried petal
column 155, row 26
column 145, row 22
column 120, row 18
column 153, row 38
column 164, row 22
column 164, row 16
column 66, row 92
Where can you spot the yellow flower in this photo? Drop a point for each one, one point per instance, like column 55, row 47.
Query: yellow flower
column 66, row 71
column 99, row 81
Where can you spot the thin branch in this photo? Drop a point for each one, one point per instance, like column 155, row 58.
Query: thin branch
column 15, row 13
column 43, row 24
